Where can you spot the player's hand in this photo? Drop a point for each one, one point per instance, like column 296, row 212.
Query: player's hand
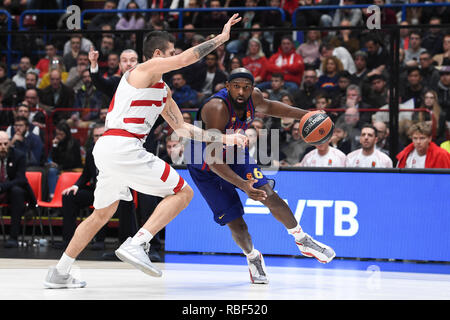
column 73, row 189
column 227, row 27
column 236, row 139
column 253, row 193
column 93, row 57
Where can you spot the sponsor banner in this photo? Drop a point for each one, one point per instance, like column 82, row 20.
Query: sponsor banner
column 360, row 214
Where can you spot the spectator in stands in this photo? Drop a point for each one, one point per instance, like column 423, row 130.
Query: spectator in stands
column 70, row 58
column 185, row 41
column 74, row 80
column 57, row 64
column 413, row 14
column 255, row 61
column 353, row 98
column 57, row 95
column 6, row 116
column 383, row 136
column 106, row 47
column 64, row 154
column 378, row 95
column 236, row 46
column 123, row 4
column 404, row 35
column 339, row 96
column 304, row 98
column 273, row 19
column 329, row 49
column 324, row 155
column 14, row 187
column 182, row 93
column 277, row 88
column 368, row 156
column 81, row 196
column 331, row 67
column 414, row 88
column 44, row 63
column 377, row 56
column 214, row 19
column 415, row 46
column 339, row 139
column 105, row 18
column 360, row 74
column 37, row 116
column 112, row 68
column 351, row 119
column 89, row 98
column 31, row 80
column 354, row 16
column 8, row 88
column 422, row 152
column 306, row 18
column 435, row 116
column 287, row 62
column 443, row 90
column 208, row 76
column 131, row 20
column 322, row 101
column 27, row 142
column 443, row 12
column 430, row 75
column 156, row 22
column 174, row 153
column 265, row 44
column 128, row 59
column 443, row 59
column 290, row 152
column 24, row 67
column 432, row 39
column 388, row 16
column 309, row 50
column 23, row 110
column 346, row 38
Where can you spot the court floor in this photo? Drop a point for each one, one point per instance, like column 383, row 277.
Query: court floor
column 222, row 277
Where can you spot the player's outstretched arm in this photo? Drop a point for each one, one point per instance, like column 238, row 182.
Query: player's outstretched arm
column 174, row 118
column 191, row 55
column 275, row 108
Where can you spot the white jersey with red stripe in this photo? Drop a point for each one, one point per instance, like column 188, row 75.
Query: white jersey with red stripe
column 136, row 110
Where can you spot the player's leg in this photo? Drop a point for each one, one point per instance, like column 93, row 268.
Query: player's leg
column 307, row 245
column 255, row 260
column 59, row 276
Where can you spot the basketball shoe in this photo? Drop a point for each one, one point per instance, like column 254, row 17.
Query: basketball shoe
column 257, row 269
column 313, row 248
column 137, row 256
column 56, row 280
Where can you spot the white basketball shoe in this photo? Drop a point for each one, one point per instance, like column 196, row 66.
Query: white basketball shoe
column 257, row 269
column 56, row 280
column 313, row 248
column 137, row 256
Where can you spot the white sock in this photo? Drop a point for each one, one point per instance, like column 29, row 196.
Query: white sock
column 297, row 232
column 141, row 237
column 253, row 254
column 64, row 264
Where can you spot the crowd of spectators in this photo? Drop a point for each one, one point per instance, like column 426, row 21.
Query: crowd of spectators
column 51, row 96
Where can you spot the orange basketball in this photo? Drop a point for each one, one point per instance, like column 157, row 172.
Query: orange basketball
column 316, row 127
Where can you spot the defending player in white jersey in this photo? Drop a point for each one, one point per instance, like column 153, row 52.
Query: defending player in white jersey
column 368, row 156
column 123, row 162
column 324, row 156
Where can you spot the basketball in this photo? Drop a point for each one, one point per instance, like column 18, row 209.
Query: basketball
column 316, row 127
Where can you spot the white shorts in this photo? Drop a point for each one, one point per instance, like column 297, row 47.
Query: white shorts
column 123, row 163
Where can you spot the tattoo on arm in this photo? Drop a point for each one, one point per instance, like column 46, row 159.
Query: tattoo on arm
column 172, row 116
column 206, row 47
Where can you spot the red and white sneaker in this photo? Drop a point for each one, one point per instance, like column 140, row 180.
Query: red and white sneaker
column 257, row 269
column 313, row 248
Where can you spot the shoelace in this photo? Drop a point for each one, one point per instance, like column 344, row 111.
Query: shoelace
column 146, row 246
column 258, row 265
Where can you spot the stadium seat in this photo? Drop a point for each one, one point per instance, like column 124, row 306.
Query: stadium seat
column 65, row 180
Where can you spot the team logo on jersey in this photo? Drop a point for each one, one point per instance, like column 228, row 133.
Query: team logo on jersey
column 330, row 162
column 249, row 116
column 373, row 164
column 249, row 176
column 233, row 119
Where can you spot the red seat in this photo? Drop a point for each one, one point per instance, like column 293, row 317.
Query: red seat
column 35, row 181
column 65, row 180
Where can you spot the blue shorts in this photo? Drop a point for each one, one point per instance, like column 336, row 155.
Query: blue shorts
column 222, row 196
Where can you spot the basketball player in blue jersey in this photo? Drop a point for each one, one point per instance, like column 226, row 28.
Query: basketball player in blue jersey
column 234, row 108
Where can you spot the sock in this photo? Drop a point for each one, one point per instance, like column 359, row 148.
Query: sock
column 297, row 232
column 64, row 264
column 141, row 237
column 252, row 255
